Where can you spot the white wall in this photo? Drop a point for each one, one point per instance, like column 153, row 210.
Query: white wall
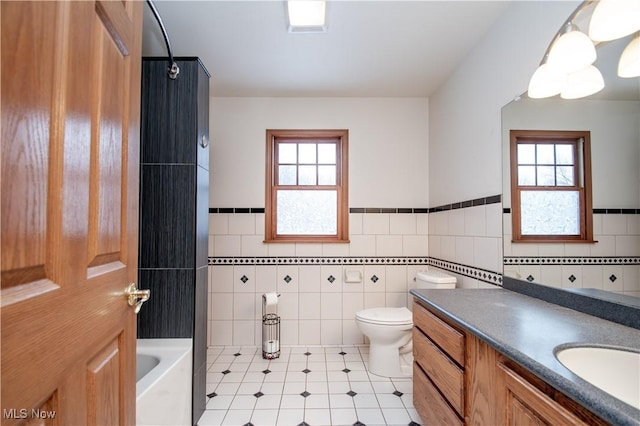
column 388, row 140
column 464, row 132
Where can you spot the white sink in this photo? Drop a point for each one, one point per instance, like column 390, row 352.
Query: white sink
column 615, row 371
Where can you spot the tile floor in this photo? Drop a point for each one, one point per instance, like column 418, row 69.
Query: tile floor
column 315, row 385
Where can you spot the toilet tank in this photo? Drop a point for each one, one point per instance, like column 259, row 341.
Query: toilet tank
column 431, row 278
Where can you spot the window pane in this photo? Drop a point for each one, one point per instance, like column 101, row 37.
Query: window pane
column 287, row 153
column 286, row 175
column 307, row 153
column 564, row 154
column 326, row 175
column 545, row 154
column 307, row 175
column 307, row 212
column 327, row 153
column 526, row 154
column 550, row 212
column 546, row 176
column 564, row 176
column 526, row 175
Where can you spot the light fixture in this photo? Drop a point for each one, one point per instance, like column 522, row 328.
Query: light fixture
column 613, row 19
column 572, row 51
column 307, row 16
column 629, row 65
column 546, row 82
column 584, row 82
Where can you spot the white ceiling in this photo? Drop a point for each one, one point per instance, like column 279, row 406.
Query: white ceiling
column 372, row 48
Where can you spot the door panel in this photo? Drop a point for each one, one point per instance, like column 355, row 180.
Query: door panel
column 70, row 140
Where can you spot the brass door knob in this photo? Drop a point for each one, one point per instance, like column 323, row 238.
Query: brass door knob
column 136, row 297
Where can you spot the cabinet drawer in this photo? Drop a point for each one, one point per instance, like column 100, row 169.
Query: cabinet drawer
column 431, row 406
column 443, row 372
column 445, row 336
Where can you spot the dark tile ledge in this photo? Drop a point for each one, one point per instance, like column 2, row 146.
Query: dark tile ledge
column 527, row 330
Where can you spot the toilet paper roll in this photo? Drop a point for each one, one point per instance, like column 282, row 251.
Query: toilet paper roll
column 270, row 299
column 271, row 346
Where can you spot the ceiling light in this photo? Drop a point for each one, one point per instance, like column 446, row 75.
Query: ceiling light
column 572, row 51
column 583, row 83
column 629, row 65
column 613, row 19
column 546, row 82
column 306, row 16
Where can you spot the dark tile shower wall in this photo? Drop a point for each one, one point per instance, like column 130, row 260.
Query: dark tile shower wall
column 174, row 207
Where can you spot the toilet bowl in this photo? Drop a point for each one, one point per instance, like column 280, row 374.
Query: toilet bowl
column 389, row 329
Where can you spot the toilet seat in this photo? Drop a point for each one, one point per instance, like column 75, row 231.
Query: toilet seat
column 385, row 316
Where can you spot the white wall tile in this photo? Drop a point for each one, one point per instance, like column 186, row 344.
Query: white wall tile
column 551, row 275
column 253, row 245
column 288, row 306
column 259, row 218
column 475, row 221
column 309, row 332
column 335, row 249
column 633, row 224
column 244, row 307
column 227, row 245
column 402, row 224
column 309, row 277
column 486, row 253
column 396, row 278
column 330, row 306
column 415, row 245
column 605, row 246
column 290, row 271
column 556, row 249
column 628, row 245
column 326, row 285
column 435, row 246
column 610, row 284
column 597, row 224
column 266, row 277
column 355, row 223
column 614, row 224
column 308, row 249
column 375, row 223
column 282, row 249
column 218, row 223
column 362, row 245
column 242, row 224
column 374, row 300
column 309, row 304
column 456, row 222
column 396, row 300
column 248, row 286
column 351, row 303
column 388, row 245
column 524, row 249
column 220, row 333
column 592, row 276
column 331, row 332
column 569, row 271
column 221, row 306
column 376, row 284
column 464, row 250
column 221, row 278
column 569, row 249
column 494, row 220
column 289, row 332
column 631, row 278
column 448, row 247
column 357, row 287
column 351, row 334
column 422, row 224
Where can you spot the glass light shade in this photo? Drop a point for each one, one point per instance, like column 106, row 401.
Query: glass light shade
column 583, row 83
column 629, row 65
column 306, row 14
column 613, row 19
column 546, row 82
column 572, row 52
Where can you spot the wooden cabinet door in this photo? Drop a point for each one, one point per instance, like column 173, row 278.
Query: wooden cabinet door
column 69, row 218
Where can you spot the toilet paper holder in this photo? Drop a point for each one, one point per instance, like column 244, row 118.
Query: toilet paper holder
column 270, row 327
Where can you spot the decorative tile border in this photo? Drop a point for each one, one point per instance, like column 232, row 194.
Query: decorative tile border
column 484, row 275
column 583, row 260
column 366, row 210
column 507, row 210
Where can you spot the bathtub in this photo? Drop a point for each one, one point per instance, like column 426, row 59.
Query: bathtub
column 163, row 382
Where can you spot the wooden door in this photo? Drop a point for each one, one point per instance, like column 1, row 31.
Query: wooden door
column 70, row 141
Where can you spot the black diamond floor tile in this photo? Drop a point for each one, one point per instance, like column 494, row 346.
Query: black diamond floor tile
column 304, row 424
column 248, row 424
column 212, row 394
column 346, row 370
column 398, row 393
column 226, row 372
column 237, row 354
column 343, row 353
column 307, row 353
column 306, row 371
column 352, row 393
column 267, row 371
column 258, row 394
column 305, row 394
column 414, row 424
column 359, row 423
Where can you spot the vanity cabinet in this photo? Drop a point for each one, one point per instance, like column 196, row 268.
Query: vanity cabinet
column 459, row 379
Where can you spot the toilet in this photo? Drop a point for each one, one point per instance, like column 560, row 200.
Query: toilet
column 389, row 329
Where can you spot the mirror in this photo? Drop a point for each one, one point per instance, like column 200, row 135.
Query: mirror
column 613, row 118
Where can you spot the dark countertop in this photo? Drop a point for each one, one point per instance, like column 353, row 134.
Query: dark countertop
column 527, row 330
